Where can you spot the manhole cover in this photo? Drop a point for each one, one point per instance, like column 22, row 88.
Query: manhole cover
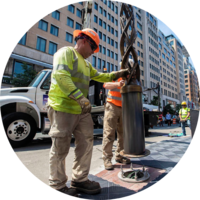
column 133, row 176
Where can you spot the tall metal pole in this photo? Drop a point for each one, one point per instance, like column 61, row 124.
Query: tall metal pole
column 132, row 109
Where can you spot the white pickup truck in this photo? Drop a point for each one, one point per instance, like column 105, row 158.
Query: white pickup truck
column 24, row 111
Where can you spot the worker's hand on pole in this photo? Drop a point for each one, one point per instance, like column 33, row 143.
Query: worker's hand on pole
column 84, row 103
column 121, row 73
column 121, row 83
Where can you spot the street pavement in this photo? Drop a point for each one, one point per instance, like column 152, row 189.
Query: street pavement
column 35, row 156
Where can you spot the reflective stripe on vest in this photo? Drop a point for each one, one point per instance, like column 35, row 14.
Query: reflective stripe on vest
column 114, row 95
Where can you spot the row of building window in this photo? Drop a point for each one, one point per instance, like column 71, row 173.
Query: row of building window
column 111, row 6
column 153, row 43
column 154, row 68
column 108, row 52
column 153, row 52
column 100, row 64
column 154, row 76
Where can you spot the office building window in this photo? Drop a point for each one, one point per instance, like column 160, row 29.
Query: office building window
column 78, row 26
column 54, row 30
column 138, row 53
column 100, row 48
column 104, row 25
column 103, row 64
column 112, row 31
column 94, row 61
column 108, row 28
column 112, row 19
column 108, row 67
column 108, row 40
column 78, row 13
column 52, row 48
column 116, row 22
column 56, row 15
column 95, row 30
column 139, row 35
column 100, row 34
column 116, row 33
column 95, row 6
column 108, row 16
column 18, row 67
column 99, row 63
column 116, row 56
column 138, row 17
column 104, row 13
column 95, row 18
column 112, row 6
column 104, row 51
column 111, row 67
column 41, row 44
column 141, row 46
column 139, row 26
column 109, row 4
column 43, row 25
column 69, row 37
column 138, row 44
column 108, row 52
column 23, row 40
column 116, row 45
column 141, row 55
column 104, row 37
column 100, row 22
column 116, row 9
column 116, row 68
column 100, row 10
column 112, row 54
column 70, row 22
column 71, row 8
column 105, row 2
column 112, row 42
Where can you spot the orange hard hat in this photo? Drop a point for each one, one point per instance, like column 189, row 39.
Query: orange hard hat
column 91, row 33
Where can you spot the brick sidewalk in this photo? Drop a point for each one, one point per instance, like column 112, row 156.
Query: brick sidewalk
column 163, row 158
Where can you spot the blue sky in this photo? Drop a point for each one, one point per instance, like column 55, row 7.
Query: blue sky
column 167, row 31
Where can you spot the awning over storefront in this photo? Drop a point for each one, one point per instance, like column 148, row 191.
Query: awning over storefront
column 32, row 61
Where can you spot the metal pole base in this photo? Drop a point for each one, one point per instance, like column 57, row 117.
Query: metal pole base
column 145, row 153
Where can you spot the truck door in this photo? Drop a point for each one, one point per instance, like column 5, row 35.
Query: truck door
column 42, row 93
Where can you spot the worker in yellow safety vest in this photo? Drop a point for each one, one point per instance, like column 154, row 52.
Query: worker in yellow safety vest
column 112, row 124
column 69, row 112
column 184, row 114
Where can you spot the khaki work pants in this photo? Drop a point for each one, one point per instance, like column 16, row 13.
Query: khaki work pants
column 112, row 122
column 62, row 127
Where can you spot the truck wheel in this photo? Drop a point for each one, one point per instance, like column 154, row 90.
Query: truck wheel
column 20, row 128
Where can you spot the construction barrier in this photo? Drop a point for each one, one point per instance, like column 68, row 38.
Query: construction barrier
column 174, row 121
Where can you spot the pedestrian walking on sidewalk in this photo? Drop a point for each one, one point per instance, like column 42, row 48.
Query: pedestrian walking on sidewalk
column 160, row 118
column 184, row 114
column 69, row 112
column 113, row 123
column 168, row 118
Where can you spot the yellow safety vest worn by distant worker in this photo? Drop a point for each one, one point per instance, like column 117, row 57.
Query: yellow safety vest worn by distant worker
column 71, row 75
column 184, row 112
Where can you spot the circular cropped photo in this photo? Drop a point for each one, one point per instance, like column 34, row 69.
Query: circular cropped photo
column 100, row 100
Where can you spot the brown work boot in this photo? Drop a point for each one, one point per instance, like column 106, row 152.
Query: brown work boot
column 122, row 159
column 69, row 191
column 108, row 164
column 88, row 187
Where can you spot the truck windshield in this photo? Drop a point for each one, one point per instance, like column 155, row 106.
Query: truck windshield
column 35, row 82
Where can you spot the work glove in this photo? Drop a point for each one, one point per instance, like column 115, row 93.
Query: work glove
column 121, row 73
column 84, row 103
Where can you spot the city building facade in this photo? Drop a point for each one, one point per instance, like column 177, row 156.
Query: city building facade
column 160, row 57
column 191, row 83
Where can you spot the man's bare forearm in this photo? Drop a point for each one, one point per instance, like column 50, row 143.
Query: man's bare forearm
column 111, row 85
